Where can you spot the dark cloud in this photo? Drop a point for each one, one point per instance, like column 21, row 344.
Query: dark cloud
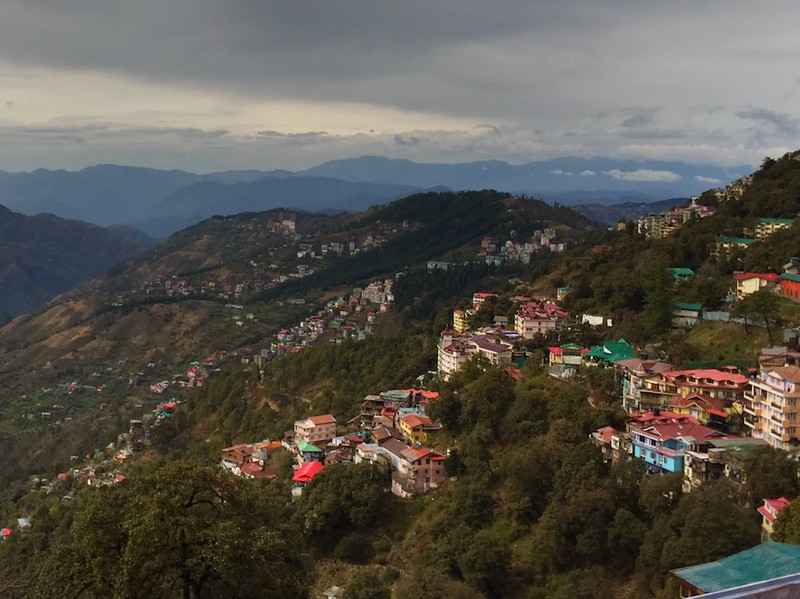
column 522, row 80
column 638, row 120
column 783, row 122
column 406, row 141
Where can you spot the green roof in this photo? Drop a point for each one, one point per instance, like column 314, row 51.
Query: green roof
column 762, row 562
column 782, row 221
column 680, row 272
column 687, row 306
column 737, row 240
column 787, row 276
column 611, row 351
column 308, row 448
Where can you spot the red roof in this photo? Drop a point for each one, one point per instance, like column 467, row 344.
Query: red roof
column 776, row 506
column 767, row 276
column 307, row 472
column 324, row 419
column 413, row 454
column 712, row 405
column 415, row 420
column 606, row 433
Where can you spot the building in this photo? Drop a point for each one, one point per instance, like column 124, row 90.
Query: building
column 710, row 459
column 685, row 315
column 421, row 469
column 460, row 321
column 538, row 318
column 770, row 406
column 767, row 226
column 416, row 428
column 750, row 282
column 661, row 439
column 660, row 390
column 455, row 350
column 724, row 246
column 790, row 286
column 316, row 430
column 769, row 513
column 633, row 373
column 304, row 475
column 763, row 562
column 609, row 353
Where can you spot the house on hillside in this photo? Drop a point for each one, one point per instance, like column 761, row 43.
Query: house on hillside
column 660, row 390
column 686, row 315
column 304, row 475
column 768, row 226
column 769, row 513
column 421, row 469
column 790, row 286
column 416, row 428
column 317, row 430
column 770, row 406
column 750, row 282
column 633, row 373
column 661, row 439
column 609, row 353
column 724, row 246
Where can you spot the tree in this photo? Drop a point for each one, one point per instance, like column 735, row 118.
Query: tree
column 657, row 312
column 365, row 585
column 341, row 498
column 771, row 473
column 787, row 526
column 761, row 304
column 187, row 531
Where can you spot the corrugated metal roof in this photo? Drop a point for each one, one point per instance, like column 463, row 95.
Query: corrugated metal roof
column 762, row 562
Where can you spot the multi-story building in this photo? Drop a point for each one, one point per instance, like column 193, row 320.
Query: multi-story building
column 770, row 406
column 316, row 430
column 455, row 350
column 415, row 428
column 421, row 469
column 660, row 390
column 633, row 372
column 767, row 226
column 723, row 246
column 535, row 318
column 460, row 321
column 660, row 440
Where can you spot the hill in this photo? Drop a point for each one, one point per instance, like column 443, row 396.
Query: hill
column 42, row 256
column 529, row 506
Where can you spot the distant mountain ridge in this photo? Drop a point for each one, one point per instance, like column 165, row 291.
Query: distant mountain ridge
column 42, row 256
column 161, row 202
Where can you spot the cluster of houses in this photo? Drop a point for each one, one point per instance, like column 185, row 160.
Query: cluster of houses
column 706, row 423
column 658, row 226
column 341, row 318
column 494, row 252
column 391, row 431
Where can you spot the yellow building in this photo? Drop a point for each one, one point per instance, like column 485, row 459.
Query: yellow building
column 460, row 321
column 415, row 428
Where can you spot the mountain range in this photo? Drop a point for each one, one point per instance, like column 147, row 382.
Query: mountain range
column 161, row 202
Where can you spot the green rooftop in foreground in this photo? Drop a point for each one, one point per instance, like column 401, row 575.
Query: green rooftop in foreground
column 762, row 562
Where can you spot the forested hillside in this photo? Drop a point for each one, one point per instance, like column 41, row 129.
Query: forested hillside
column 530, row 507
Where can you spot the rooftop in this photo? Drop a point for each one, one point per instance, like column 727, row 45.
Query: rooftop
column 762, row 562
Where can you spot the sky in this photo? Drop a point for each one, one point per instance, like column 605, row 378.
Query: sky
column 204, row 85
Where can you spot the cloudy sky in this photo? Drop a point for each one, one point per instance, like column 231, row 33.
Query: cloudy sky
column 209, row 85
